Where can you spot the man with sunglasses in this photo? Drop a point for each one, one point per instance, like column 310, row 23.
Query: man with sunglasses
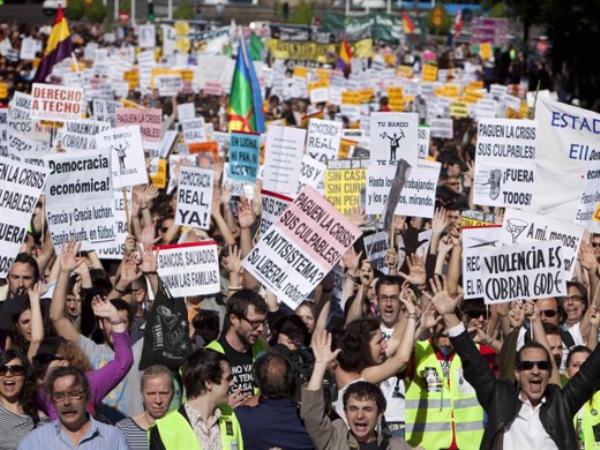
column 75, row 428
column 240, row 340
column 534, row 414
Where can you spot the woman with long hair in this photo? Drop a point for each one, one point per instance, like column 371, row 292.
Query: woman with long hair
column 18, row 408
column 26, row 327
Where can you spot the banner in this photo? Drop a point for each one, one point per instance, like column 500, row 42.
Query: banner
column 79, row 199
column 194, row 197
column 298, row 251
column 394, row 136
column 505, row 162
column 473, row 240
column 273, row 204
column 523, row 272
column 519, row 227
column 244, row 152
column 20, row 187
column 56, row 103
column 189, row 269
column 285, row 146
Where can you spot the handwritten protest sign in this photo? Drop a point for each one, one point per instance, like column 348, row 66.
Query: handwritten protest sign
column 128, row 161
column 56, row 103
column 525, row 272
column 296, row 253
column 520, row 227
column 189, row 269
column 79, row 198
column 376, row 247
column 81, row 135
column 394, row 136
column 343, row 188
column 194, row 197
column 505, row 162
column 273, row 204
column 312, row 174
column 20, row 187
column 283, row 157
column 244, row 152
column 193, row 130
column 473, row 240
column 323, row 141
column 168, row 85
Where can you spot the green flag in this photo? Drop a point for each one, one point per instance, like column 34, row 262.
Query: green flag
column 256, row 47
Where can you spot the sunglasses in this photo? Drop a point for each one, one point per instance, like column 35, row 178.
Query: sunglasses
column 16, row 370
column 595, row 244
column 164, row 229
column 46, row 358
column 528, row 365
column 475, row 314
column 548, row 312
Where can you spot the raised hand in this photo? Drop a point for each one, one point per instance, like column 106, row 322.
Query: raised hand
column 416, row 270
column 37, row 290
column 442, row 300
column 359, row 218
column 104, row 308
column 440, row 221
column 586, row 257
column 149, row 260
column 321, row 346
column 69, row 256
column 351, row 259
column 129, row 270
column 234, row 262
column 246, row 216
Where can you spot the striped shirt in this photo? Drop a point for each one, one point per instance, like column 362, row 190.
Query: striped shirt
column 136, row 436
column 13, row 427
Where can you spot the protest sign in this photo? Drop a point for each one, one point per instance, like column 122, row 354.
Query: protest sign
column 106, row 111
column 441, row 128
column 519, row 227
column 505, row 162
column 590, row 197
column 301, row 247
column 523, row 272
column 80, row 135
column 323, row 141
column 168, row 85
column 273, row 204
column 19, row 143
column 189, row 269
column 186, row 111
column 209, row 149
column 147, row 36
column 3, row 132
column 56, row 103
column 128, row 161
column 20, row 187
column 417, row 198
column 376, row 247
column 284, row 155
column 193, row 130
column 194, row 197
column 473, row 240
column 149, row 121
column 424, row 132
column 476, row 218
column 394, row 136
column 79, row 198
column 29, row 48
column 244, row 152
column 116, row 249
column 312, row 173
column 343, row 188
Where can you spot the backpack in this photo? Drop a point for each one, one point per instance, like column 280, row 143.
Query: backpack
column 302, row 362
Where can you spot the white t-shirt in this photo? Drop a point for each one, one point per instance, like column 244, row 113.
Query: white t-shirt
column 338, row 405
column 394, row 391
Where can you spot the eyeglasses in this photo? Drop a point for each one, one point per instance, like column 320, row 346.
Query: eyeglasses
column 255, row 324
column 528, row 365
column 455, row 183
column 389, row 298
column 548, row 312
column 58, row 397
column 574, row 298
column 15, row 371
column 595, row 244
column 46, row 358
column 475, row 314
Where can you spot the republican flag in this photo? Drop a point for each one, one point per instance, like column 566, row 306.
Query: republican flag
column 58, row 47
column 457, row 24
column 245, row 100
column 345, row 57
column 407, row 24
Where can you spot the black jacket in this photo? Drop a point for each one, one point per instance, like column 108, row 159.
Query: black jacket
column 500, row 398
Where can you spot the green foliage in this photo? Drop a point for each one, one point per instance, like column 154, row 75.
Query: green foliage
column 75, row 9
column 185, row 11
column 302, row 14
column 444, row 27
column 498, row 10
column 125, row 6
column 96, row 13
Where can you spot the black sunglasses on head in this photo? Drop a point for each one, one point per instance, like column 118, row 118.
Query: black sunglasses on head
column 528, row 365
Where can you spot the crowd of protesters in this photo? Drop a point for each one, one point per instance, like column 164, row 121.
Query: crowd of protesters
column 401, row 362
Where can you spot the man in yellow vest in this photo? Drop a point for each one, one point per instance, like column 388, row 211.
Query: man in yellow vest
column 442, row 411
column 204, row 421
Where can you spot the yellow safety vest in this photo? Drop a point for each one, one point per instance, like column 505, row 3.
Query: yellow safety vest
column 257, row 349
column 176, row 432
column 590, row 419
column 432, row 406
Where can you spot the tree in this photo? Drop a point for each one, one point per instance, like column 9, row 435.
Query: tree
column 96, row 13
column 302, row 14
column 185, row 11
column 75, row 9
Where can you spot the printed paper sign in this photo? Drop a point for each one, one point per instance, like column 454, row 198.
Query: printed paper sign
column 168, row 85
column 505, row 162
column 56, row 103
column 424, row 132
column 312, row 174
column 273, row 204
column 79, row 198
column 189, row 269
column 81, row 135
column 519, row 227
column 117, row 249
column 590, row 197
column 244, row 152
column 148, row 119
column 128, row 161
column 147, row 36
column 193, row 130
column 298, row 251
column 283, row 158
column 20, row 187
column 323, row 141
column 523, row 272
column 394, row 136
column 194, row 197
column 473, row 240
column 376, row 247
column 343, row 188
